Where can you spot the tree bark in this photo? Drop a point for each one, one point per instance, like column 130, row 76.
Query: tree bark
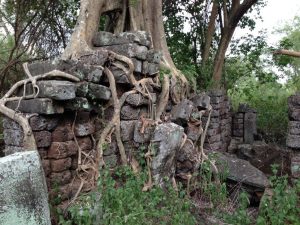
column 231, row 17
column 287, row 52
column 210, row 32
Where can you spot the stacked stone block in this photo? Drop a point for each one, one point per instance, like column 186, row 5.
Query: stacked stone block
column 293, row 137
column 244, row 124
column 219, row 130
column 58, row 138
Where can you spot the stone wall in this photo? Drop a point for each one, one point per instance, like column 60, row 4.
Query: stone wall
column 67, row 118
column 219, row 130
column 293, row 137
column 244, row 124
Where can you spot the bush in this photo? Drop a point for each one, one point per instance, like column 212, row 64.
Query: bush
column 120, row 200
column 283, row 206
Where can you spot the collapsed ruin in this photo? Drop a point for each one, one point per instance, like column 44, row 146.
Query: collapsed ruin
column 69, row 119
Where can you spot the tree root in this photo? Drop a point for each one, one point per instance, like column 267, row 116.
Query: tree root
column 164, row 98
column 28, row 140
column 203, row 156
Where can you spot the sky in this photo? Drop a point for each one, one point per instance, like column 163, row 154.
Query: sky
column 275, row 14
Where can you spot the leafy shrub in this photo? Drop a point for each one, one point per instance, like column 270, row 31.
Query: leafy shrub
column 120, row 200
column 283, row 207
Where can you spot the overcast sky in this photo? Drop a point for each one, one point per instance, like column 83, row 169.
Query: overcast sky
column 275, row 14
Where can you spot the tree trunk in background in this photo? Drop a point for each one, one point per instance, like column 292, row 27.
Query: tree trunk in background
column 220, row 57
column 131, row 16
column 231, row 16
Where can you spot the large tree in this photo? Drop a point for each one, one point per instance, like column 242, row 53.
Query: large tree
column 212, row 25
column 125, row 15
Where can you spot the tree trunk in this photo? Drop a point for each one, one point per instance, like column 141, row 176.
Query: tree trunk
column 210, row 32
column 220, row 57
column 141, row 15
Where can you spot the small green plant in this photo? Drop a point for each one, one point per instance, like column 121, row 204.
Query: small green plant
column 120, row 200
column 282, row 207
column 240, row 216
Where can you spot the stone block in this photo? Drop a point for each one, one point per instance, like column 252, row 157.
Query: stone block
column 294, row 101
column 293, row 141
column 139, row 37
column 9, row 150
column 138, row 65
column 44, row 106
column 95, row 75
column 85, row 143
column 294, row 127
column 8, row 123
column 120, row 76
column 213, row 139
column 61, row 150
column 46, row 166
column 39, row 68
column 294, row 114
column 56, row 89
column 84, row 129
column 201, row 101
column 193, row 132
column 217, row 146
column 97, row 57
column 60, row 178
column 23, row 190
column 13, row 137
column 238, row 133
column 295, row 165
column 82, row 89
column 130, row 50
column 142, row 137
column 154, row 56
column 42, row 138
column 63, row 133
column 213, row 132
column 249, row 127
column 98, row 92
column 131, row 113
column 239, row 116
column 39, row 122
column 127, row 130
column 182, row 112
column 167, row 138
column 138, row 100
column 80, row 103
column 60, row 165
column 244, row 108
column 103, row 38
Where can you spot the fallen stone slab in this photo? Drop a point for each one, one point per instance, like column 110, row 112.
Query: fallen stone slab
column 166, row 141
column 241, row 171
column 23, row 190
column 44, row 106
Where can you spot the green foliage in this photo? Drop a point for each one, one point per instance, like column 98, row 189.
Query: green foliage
column 240, row 216
column 270, row 101
column 120, row 200
column 290, row 66
column 283, row 206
